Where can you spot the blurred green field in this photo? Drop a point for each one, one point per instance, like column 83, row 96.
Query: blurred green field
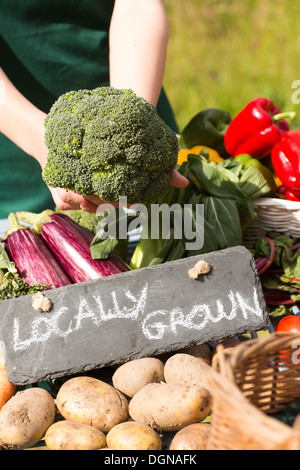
column 223, row 53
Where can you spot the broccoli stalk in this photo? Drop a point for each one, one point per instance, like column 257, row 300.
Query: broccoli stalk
column 109, row 142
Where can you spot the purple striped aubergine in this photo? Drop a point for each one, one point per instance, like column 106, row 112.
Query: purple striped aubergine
column 34, row 261
column 70, row 244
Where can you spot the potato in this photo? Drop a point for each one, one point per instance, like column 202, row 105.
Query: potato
column 192, row 437
column 170, row 407
column 201, row 351
column 132, row 376
column 133, row 436
column 25, row 418
column 91, row 401
column 68, row 435
column 185, row 369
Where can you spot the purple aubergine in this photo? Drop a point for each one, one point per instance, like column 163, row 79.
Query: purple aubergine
column 34, row 261
column 70, row 244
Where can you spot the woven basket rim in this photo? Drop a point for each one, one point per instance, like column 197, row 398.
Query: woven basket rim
column 274, row 342
column 273, row 201
column 239, row 419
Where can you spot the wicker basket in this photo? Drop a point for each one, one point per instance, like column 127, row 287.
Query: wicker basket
column 273, row 215
column 257, row 380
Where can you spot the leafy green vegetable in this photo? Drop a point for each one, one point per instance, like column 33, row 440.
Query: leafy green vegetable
column 223, row 216
column 104, row 242
column 226, row 192
column 281, row 281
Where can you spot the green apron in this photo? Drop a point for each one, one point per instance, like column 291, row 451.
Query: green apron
column 49, row 47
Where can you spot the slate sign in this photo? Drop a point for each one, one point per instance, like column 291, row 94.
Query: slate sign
column 130, row 315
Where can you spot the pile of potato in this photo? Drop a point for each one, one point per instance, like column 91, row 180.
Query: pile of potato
column 148, row 398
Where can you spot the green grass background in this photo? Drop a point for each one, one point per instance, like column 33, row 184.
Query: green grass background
column 224, row 53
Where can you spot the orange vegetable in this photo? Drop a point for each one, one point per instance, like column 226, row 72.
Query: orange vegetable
column 7, row 389
column 213, row 154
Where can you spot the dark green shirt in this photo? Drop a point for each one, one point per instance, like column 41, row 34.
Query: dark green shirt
column 49, row 47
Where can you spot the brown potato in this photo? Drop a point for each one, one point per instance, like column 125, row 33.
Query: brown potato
column 133, row 436
column 170, row 407
column 201, row 351
column 91, row 401
column 69, row 435
column 25, row 418
column 129, row 378
column 184, row 369
column 192, row 437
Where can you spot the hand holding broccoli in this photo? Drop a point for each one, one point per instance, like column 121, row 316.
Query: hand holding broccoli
column 107, row 143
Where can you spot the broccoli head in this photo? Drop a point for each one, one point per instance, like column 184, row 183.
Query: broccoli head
column 108, row 142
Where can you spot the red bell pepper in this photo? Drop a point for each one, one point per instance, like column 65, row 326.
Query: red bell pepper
column 291, row 197
column 286, row 162
column 256, row 129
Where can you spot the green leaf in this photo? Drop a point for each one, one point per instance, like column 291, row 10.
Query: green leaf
column 233, row 165
column 253, row 183
column 103, row 242
column 220, row 182
column 223, row 217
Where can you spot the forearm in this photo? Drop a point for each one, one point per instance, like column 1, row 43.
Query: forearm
column 138, row 47
column 21, row 121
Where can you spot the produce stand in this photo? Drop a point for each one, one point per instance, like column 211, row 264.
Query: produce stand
column 176, row 346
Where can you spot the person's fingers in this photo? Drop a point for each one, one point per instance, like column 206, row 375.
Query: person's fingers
column 88, row 206
column 66, row 200
column 69, row 200
column 178, row 180
column 99, row 202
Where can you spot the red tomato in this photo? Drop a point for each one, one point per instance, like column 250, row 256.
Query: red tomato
column 290, row 324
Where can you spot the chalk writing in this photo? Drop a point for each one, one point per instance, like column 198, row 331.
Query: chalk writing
column 154, row 324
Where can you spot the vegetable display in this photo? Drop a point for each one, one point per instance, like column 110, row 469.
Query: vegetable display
column 108, row 142
column 256, row 129
column 112, row 143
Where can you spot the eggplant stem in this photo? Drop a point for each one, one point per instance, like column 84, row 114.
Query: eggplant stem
column 14, row 226
column 37, row 221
